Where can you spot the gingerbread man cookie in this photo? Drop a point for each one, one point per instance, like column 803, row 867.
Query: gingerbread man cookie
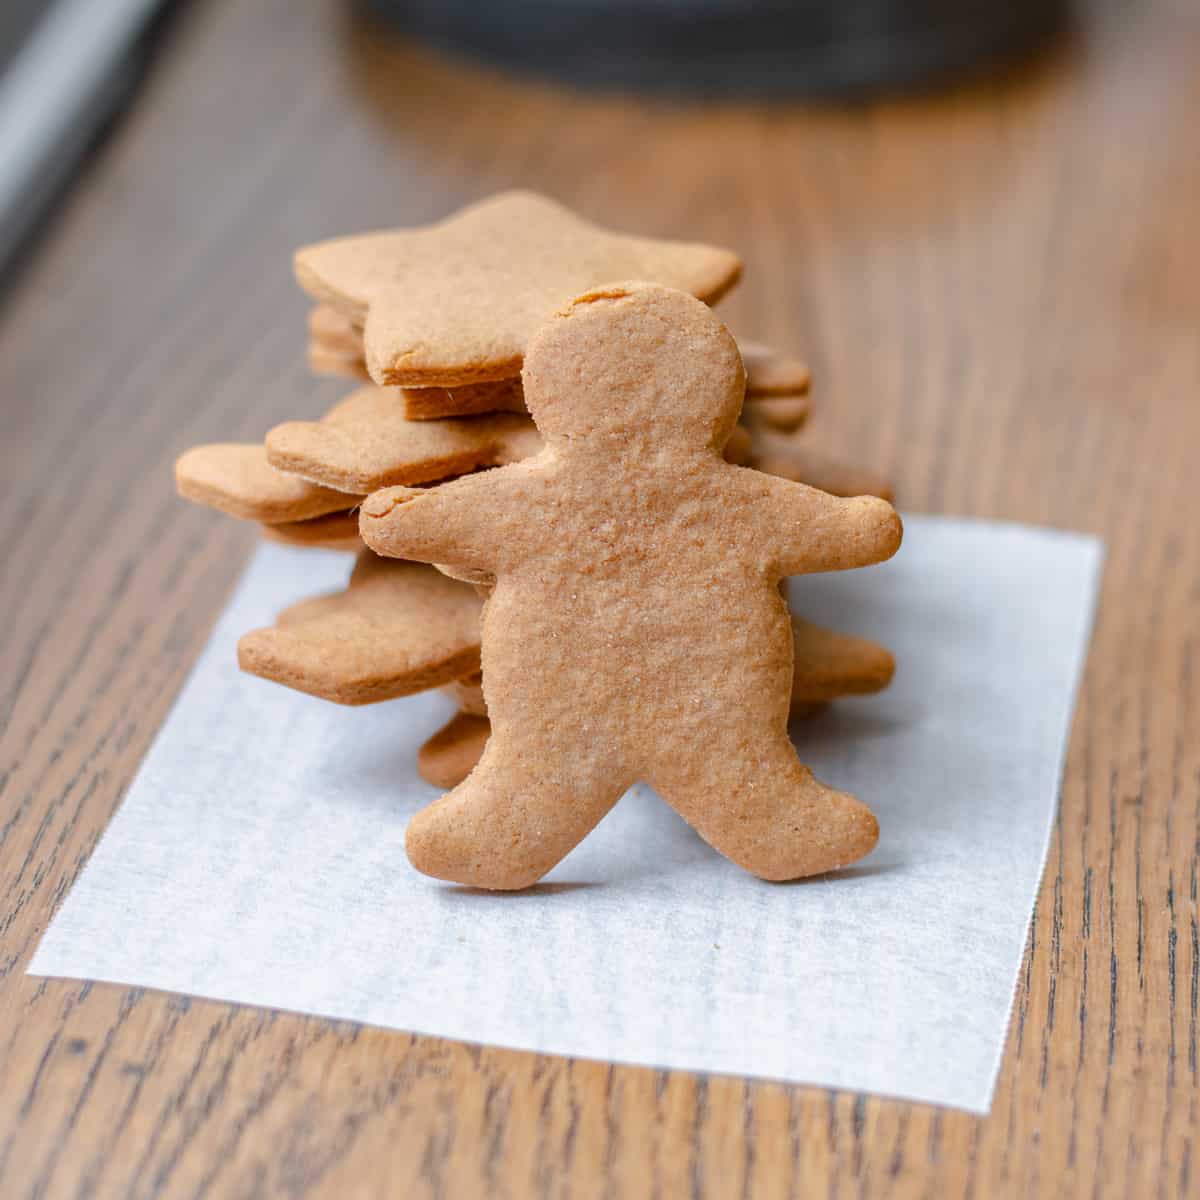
column 635, row 630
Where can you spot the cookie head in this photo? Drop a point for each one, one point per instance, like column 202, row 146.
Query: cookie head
column 635, row 361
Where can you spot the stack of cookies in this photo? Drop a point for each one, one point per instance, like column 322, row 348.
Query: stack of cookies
column 433, row 323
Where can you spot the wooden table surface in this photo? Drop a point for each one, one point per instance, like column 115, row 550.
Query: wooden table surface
column 999, row 291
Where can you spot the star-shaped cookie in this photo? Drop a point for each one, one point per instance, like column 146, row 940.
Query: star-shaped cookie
column 456, row 302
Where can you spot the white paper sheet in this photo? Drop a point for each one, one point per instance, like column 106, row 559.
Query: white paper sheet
column 259, row 856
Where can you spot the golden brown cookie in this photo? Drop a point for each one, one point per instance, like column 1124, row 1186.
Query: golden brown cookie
column 448, row 757
column 770, row 373
column 428, row 403
column 635, row 630
column 435, row 403
column 323, row 361
column 827, row 665
column 334, row 331
column 830, row 664
column 790, row 458
column 737, row 449
column 398, row 628
column 366, row 442
column 235, row 478
column 456, row 302
column 335, row 531
column 786, row 413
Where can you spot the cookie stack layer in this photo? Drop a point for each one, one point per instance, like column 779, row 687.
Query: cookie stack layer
column 432, row 324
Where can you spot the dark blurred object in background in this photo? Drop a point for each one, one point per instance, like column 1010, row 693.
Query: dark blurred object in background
column 732, row 47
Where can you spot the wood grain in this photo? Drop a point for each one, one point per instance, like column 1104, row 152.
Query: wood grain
column 998, row 289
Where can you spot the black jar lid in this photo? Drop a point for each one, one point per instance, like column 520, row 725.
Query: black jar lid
column 732, row 47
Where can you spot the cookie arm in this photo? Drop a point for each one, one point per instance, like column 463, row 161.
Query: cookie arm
column 813, row 531
column 446, row 524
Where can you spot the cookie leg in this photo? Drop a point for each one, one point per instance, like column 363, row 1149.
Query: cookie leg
column 448, row 757
column 511, row 820
column 762, row 808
